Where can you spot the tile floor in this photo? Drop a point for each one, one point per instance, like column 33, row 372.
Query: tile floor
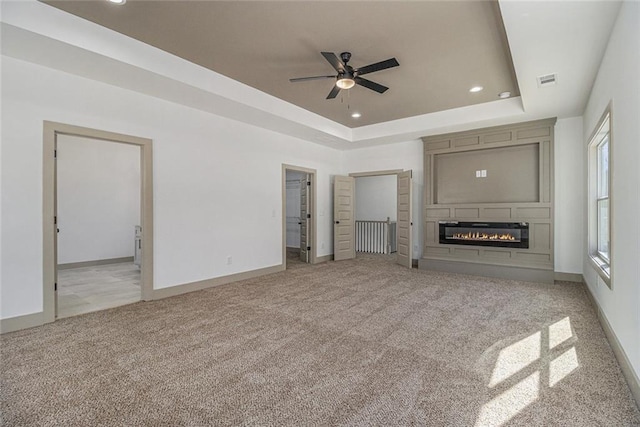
column 87, row 289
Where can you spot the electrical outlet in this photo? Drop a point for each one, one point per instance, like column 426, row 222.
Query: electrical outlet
column 478, row 174
column 483, row 173
column 229, row 260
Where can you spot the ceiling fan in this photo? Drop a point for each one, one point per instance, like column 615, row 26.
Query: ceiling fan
column 348, row 76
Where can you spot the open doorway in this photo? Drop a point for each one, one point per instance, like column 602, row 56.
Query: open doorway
column 55, row 133
column 376, row 204
column 344, row 216
column 98, row 224
column 298, row 216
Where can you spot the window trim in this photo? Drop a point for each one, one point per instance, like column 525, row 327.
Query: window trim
column 598, row 261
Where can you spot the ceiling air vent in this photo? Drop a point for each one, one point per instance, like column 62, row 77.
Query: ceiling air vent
column 547, row 80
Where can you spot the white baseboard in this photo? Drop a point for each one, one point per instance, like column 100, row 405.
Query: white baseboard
column 217, row 281
column 625, row 364
column 25, row 321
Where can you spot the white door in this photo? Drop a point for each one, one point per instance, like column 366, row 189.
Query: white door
column 404, row 223
column 305, row 216
column 344, row 218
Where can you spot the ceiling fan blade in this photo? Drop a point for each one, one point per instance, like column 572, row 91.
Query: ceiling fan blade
column 378, row 66
column 334, row 61
column 371, row 85
column 304, row 79
column 333, row 93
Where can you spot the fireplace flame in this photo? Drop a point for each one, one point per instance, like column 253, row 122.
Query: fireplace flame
column 483, row 236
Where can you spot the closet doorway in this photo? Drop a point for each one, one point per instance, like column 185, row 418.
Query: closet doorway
column 97, row 220
column 299, row 217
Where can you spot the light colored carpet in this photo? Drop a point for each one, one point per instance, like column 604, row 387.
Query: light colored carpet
column 358, row 342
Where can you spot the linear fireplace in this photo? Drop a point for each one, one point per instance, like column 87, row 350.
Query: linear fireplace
column 500, row 234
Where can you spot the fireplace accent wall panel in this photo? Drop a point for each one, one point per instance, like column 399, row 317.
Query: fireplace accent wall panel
column 515, row 169
column 532, row 145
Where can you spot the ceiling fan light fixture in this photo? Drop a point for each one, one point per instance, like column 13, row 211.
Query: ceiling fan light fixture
column 345, row 83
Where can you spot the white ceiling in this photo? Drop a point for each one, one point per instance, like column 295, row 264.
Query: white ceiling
column 568, row 38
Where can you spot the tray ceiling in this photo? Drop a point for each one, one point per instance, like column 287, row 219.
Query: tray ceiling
column 444, row 48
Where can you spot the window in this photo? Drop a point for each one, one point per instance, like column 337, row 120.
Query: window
column 599, row 197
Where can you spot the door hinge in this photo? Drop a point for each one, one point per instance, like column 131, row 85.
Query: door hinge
column 308, row 182
column 55, row 220
column 308, row 248
column 308, row 215
column 55, row 286
column 55, row 154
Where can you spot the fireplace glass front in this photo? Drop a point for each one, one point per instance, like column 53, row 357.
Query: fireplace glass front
column 497, row 234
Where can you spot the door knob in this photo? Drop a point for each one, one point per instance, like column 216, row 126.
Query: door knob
column 337, row 222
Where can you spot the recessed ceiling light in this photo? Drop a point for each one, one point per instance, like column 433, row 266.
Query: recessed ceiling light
column 504, row 95
column 356, row 115
column 118, row 1
column 476, row 89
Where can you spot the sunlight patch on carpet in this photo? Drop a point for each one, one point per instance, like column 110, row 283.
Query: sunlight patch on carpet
column 509, row 403
column 516, row 357
column 562, row 366
column 559, row 332
column 531, row 353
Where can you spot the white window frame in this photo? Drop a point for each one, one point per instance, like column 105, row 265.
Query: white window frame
column 602, row 132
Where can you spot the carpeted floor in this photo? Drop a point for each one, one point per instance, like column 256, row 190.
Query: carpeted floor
column 358, row 342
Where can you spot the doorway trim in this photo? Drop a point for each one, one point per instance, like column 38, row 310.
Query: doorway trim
column 312, row 206
column 397, row 173
column 376, row 173
column 49, row 188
